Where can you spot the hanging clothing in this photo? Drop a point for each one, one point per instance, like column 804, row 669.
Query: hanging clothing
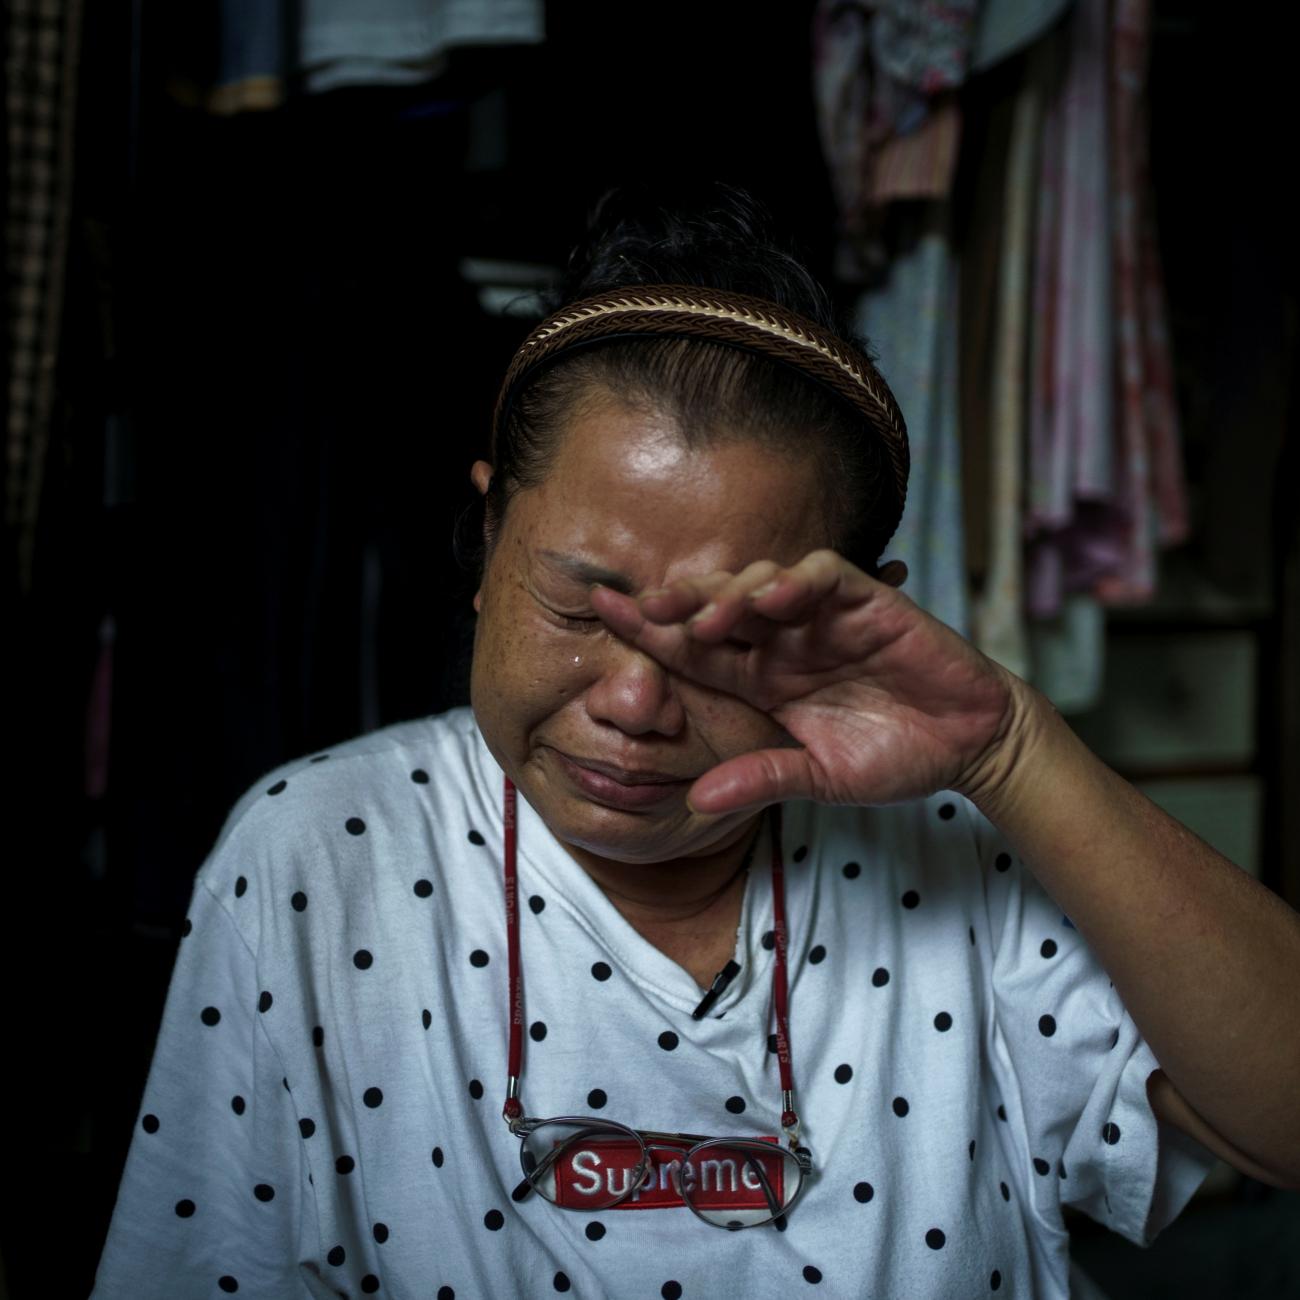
column 911, row 323
column 42, row 43
column 324, row 1108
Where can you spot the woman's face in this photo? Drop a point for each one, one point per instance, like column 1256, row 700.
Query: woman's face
column 598, row 737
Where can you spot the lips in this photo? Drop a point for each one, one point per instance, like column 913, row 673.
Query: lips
column 617, row 786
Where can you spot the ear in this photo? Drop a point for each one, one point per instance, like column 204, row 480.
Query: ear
column 480, row 475
column 893, row 574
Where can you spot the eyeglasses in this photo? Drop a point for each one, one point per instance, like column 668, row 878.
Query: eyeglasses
column 584, row 1163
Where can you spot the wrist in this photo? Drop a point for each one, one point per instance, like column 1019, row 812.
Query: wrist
column 990, row 783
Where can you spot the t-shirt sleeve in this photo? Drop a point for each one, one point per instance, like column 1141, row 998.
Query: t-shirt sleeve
column 215, row 1183
column 1071, row 1067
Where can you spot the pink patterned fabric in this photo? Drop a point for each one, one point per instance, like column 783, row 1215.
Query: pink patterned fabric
column 1102, row 415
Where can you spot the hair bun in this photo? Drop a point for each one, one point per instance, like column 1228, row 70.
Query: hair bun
column 711, row 235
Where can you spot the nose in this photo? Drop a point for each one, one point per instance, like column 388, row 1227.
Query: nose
column 634, row 693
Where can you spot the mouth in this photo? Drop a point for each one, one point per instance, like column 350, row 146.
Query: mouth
column 620, row 787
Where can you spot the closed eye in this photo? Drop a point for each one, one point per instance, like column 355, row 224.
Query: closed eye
column 577, row 622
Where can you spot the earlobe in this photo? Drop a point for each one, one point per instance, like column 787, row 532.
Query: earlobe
column 481, row 475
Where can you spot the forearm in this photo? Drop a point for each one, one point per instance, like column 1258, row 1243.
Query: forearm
column 1205, row 959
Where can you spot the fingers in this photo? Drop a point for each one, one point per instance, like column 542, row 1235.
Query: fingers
column 753, row 780
column 748, row 607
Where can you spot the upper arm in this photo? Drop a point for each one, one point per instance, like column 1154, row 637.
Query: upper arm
column 1170, row 1106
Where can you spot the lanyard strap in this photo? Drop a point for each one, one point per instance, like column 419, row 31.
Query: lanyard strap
column 513, row 1108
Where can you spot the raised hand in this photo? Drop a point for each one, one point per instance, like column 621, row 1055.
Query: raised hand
column 887, row 703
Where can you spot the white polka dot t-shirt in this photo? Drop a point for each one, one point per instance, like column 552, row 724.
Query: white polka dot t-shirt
column 323, row 1112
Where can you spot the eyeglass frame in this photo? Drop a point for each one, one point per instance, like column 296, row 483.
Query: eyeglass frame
column 513, row 1112
column 525, row 1125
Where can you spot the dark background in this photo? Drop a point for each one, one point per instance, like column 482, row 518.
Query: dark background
column 273, row 381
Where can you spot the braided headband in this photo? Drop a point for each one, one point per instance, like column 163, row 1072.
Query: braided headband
column 736, row 320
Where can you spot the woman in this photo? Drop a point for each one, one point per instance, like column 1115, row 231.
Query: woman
column 809, row 879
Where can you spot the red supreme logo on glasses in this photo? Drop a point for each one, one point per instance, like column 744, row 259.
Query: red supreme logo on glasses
column 719, row 1178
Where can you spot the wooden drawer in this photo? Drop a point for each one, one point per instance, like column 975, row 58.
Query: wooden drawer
column 1175, row 701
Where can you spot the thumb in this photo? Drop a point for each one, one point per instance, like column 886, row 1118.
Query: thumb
column 753, row 780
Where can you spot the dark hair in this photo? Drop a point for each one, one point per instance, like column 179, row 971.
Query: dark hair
column 721, row 239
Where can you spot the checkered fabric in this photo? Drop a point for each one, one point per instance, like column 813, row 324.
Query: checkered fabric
column 41, row 49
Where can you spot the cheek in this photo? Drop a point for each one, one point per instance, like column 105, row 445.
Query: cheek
column 729, row 726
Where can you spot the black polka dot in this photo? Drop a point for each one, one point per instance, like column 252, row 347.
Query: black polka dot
column 935, row 1239
column 478, row 957
column 900, row 1106
column 264, row 1001
column 1046, row 1026
column 970, row 929
column 373, row 1097
column 344, row 1165
column 596, row 1098
column 811, row 1274
column 772, row 1044
column 818, row 954
column 947, row 811
column 668, row 1040
column 149, row 1123
column 1060, row 1169
column 561, row 1282
column 1114, row 1039
column 800, row 853
column 537, row 1030
column 318, row 1036
column 426, row 1017
column 1005, row 1190
column 1002, row 862
column 355, row 826
column 537, row 903
column 1049, row 948
column 278, row 788
column 320, row 758
column 476, row 838
column 943, row 1022
column 671, row 1291
column 446, row 1293
column 494, row 1220
column 299, row 901
column 362, row 959
column 237, row 1105
column 995, row 1280
column 970, row 1150
column 423, row 888
column 600, row 971
column 184, row 1209
column 210, row 1016
column 420, row 776
column 769, row 940
column 1110, row 1134
column 1002, row 1113
column 1041, row 1167
column 863, row 1192
column 852, row 871
column 880, row 977
column 380, row 1232
column 285, row 1082
column 475, row 1089
column 911, row 898
column 370, row 1284
column 595, row 1230
column 228, row 1284
column 736, row 1105
column 264, row 1192
column 336, row 1256
column 241, row 887
column 187, row 928
column 843, row 1073
column 437, row 1157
